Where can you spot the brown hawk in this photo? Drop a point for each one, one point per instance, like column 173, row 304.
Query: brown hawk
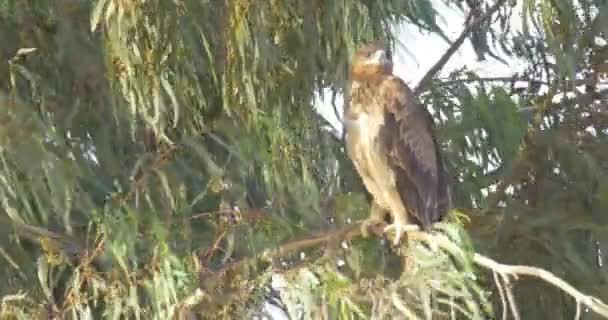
column 389, row 138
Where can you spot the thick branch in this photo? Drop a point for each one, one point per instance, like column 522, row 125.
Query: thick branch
column 455, row 46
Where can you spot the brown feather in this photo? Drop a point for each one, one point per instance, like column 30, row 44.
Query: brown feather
column 408, row 135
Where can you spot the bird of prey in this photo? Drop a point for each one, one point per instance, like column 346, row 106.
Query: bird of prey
column 390, row 140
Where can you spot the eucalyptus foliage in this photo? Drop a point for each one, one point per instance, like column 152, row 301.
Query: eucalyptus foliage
column 161, row 159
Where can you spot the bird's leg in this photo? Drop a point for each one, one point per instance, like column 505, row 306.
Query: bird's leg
column 376, row 216
column 399, row 226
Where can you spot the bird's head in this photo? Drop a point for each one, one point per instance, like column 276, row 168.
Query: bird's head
column 371, row 61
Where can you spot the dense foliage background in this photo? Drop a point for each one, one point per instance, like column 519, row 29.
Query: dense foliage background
column 155, row 155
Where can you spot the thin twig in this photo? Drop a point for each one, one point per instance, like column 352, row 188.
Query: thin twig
column 593, row 303
column 214, row 247
column 454, row 307
column 398, row 303
column 510, row 297
column 455, row 46
column 501, row 293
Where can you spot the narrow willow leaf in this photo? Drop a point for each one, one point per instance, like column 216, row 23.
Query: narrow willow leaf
column 110, row 11
column 167, row 188
column 116, row 311
column 169, row 90
column 97, row 13
column 156, row 104
column 43, row 277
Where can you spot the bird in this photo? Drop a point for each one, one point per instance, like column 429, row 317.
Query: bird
column 390, row 139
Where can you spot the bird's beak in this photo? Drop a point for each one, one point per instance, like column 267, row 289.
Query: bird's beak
column 379, row 57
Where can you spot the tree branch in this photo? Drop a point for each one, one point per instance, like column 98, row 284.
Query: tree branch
column 503, row 270
column 455, row 46
column 513, row 270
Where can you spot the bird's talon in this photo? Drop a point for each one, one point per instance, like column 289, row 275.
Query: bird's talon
column 365, row 225
column 399, row 229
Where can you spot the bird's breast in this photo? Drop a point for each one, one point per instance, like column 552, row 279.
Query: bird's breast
column 363, row 129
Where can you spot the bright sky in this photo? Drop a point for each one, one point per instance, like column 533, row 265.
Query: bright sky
column 417, row 52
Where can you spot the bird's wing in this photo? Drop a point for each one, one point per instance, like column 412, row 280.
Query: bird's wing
column 409, row 139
